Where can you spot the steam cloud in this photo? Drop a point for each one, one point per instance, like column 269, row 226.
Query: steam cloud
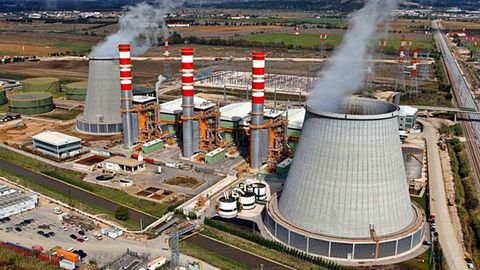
column 345, row 72
column 158, row 85
column 141, row 27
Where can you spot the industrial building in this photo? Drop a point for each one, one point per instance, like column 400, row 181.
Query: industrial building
column 122, row 164
column 57, row 144
column 13, row 201
column 407, row 117
column 350, row 162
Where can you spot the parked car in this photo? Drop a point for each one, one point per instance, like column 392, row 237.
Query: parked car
column 41, row 232
column 80, row 240
column 63, row 228
column 470, row 264
column 98, row 236
column 51, row 234
column 71, row 249
column 18, row 229
column 73, row 236
column 9, row 229
column 57, row 210
column 81, row 233
column 85, row 238
column 7, row 219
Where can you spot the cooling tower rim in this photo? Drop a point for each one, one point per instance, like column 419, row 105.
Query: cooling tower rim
column 415, row 224
column 391, row 113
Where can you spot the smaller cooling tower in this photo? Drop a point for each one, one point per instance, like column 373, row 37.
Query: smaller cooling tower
column 346, row 195
column 102, row 114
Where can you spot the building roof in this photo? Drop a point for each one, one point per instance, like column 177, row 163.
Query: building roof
column 55, row 138
column 296, row 118
column 271, row 113
column 143, row 99
column 124, row 161
column 407, row 110
column 175, row 106
column 15, row 198
column 236, row 111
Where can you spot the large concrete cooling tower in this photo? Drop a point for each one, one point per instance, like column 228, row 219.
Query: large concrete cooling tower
column 346, row 195
column 102, row 114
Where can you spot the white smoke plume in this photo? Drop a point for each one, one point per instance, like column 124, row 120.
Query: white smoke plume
column 344, row 74
column 141, row 27
column 161, row 79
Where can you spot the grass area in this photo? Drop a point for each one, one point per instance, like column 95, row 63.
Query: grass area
column 465, row 198
column 75, row 47
column 422, row 201
column 4, row 107
column 75, row 178
column 211, row 258
column 328, row 22
column 256, row 248
column 11, row 260
column 419, row 263
column 85, row 206
column 60, row 114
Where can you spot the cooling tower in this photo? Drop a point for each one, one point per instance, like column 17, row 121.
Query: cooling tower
column 102, row 114
column 346, row 195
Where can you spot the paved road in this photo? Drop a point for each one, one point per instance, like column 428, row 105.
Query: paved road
column 74, row 192
column 252, row 261
column 452, row 249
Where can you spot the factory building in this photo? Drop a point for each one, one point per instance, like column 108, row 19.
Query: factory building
column 171, row 111
column 122, row 164
column 295, row 123
column 407, row 117
column 351, row 162
column 234, row 122
column 13, row 201
column 57, row 144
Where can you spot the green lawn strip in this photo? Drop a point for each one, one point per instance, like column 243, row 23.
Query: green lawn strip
column 74, row 202
column 76, row 47
column 74, row 178
column 419, row 263
column 10, row 259
column 4, row 107
column 211, row 258
column 303, row 40
column 422, row 201
column 256, row 248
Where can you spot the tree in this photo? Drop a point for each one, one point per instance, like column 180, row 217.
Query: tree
column 122, row 213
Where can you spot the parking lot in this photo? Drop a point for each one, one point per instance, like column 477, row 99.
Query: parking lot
column 59, row 235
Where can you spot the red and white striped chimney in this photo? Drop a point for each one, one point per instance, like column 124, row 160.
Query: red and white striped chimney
column 415, row 56
column 166, row 48
column 187, row 101
column 403, row 46
column 127, row 95
column 257, row 114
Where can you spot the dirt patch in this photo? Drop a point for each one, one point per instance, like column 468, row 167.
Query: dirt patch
column 184, row 181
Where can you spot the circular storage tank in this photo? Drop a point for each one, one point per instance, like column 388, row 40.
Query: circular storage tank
column 3, row 97
column 227, row 207
column 260, row 191
column 43, row 84
column 247, row 200
column 32, row 103
column 76, row 91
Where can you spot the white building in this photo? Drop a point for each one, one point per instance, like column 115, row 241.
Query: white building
column 13, row 201
column 407, row 117
column 57, row 144
column 122, row 164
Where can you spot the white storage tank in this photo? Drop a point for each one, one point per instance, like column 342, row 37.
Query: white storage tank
column 227, row 207
column 247, row 200
column 260, row 190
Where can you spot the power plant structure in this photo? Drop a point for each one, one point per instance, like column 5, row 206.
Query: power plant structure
column 102, row 115
column 130, row 131
column 346, row 196
column 258, row 146
column 187, row 102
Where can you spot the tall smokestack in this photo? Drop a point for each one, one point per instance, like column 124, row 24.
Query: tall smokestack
column 403, row 46
column 187, row 101
column 256, row 126
column 166, row 48
column 127, row 95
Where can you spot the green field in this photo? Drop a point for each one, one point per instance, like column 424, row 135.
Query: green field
column 11, row 260
column 304, row 40
column 333, row 22
column 76, row 47
column 333, row 40
column 211, row 258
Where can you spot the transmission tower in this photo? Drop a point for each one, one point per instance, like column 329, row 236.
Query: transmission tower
column 400, row 84
column 323, row 40
column 297, row 33
column 424, row 70
column 175, row 252
column 167, row 69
